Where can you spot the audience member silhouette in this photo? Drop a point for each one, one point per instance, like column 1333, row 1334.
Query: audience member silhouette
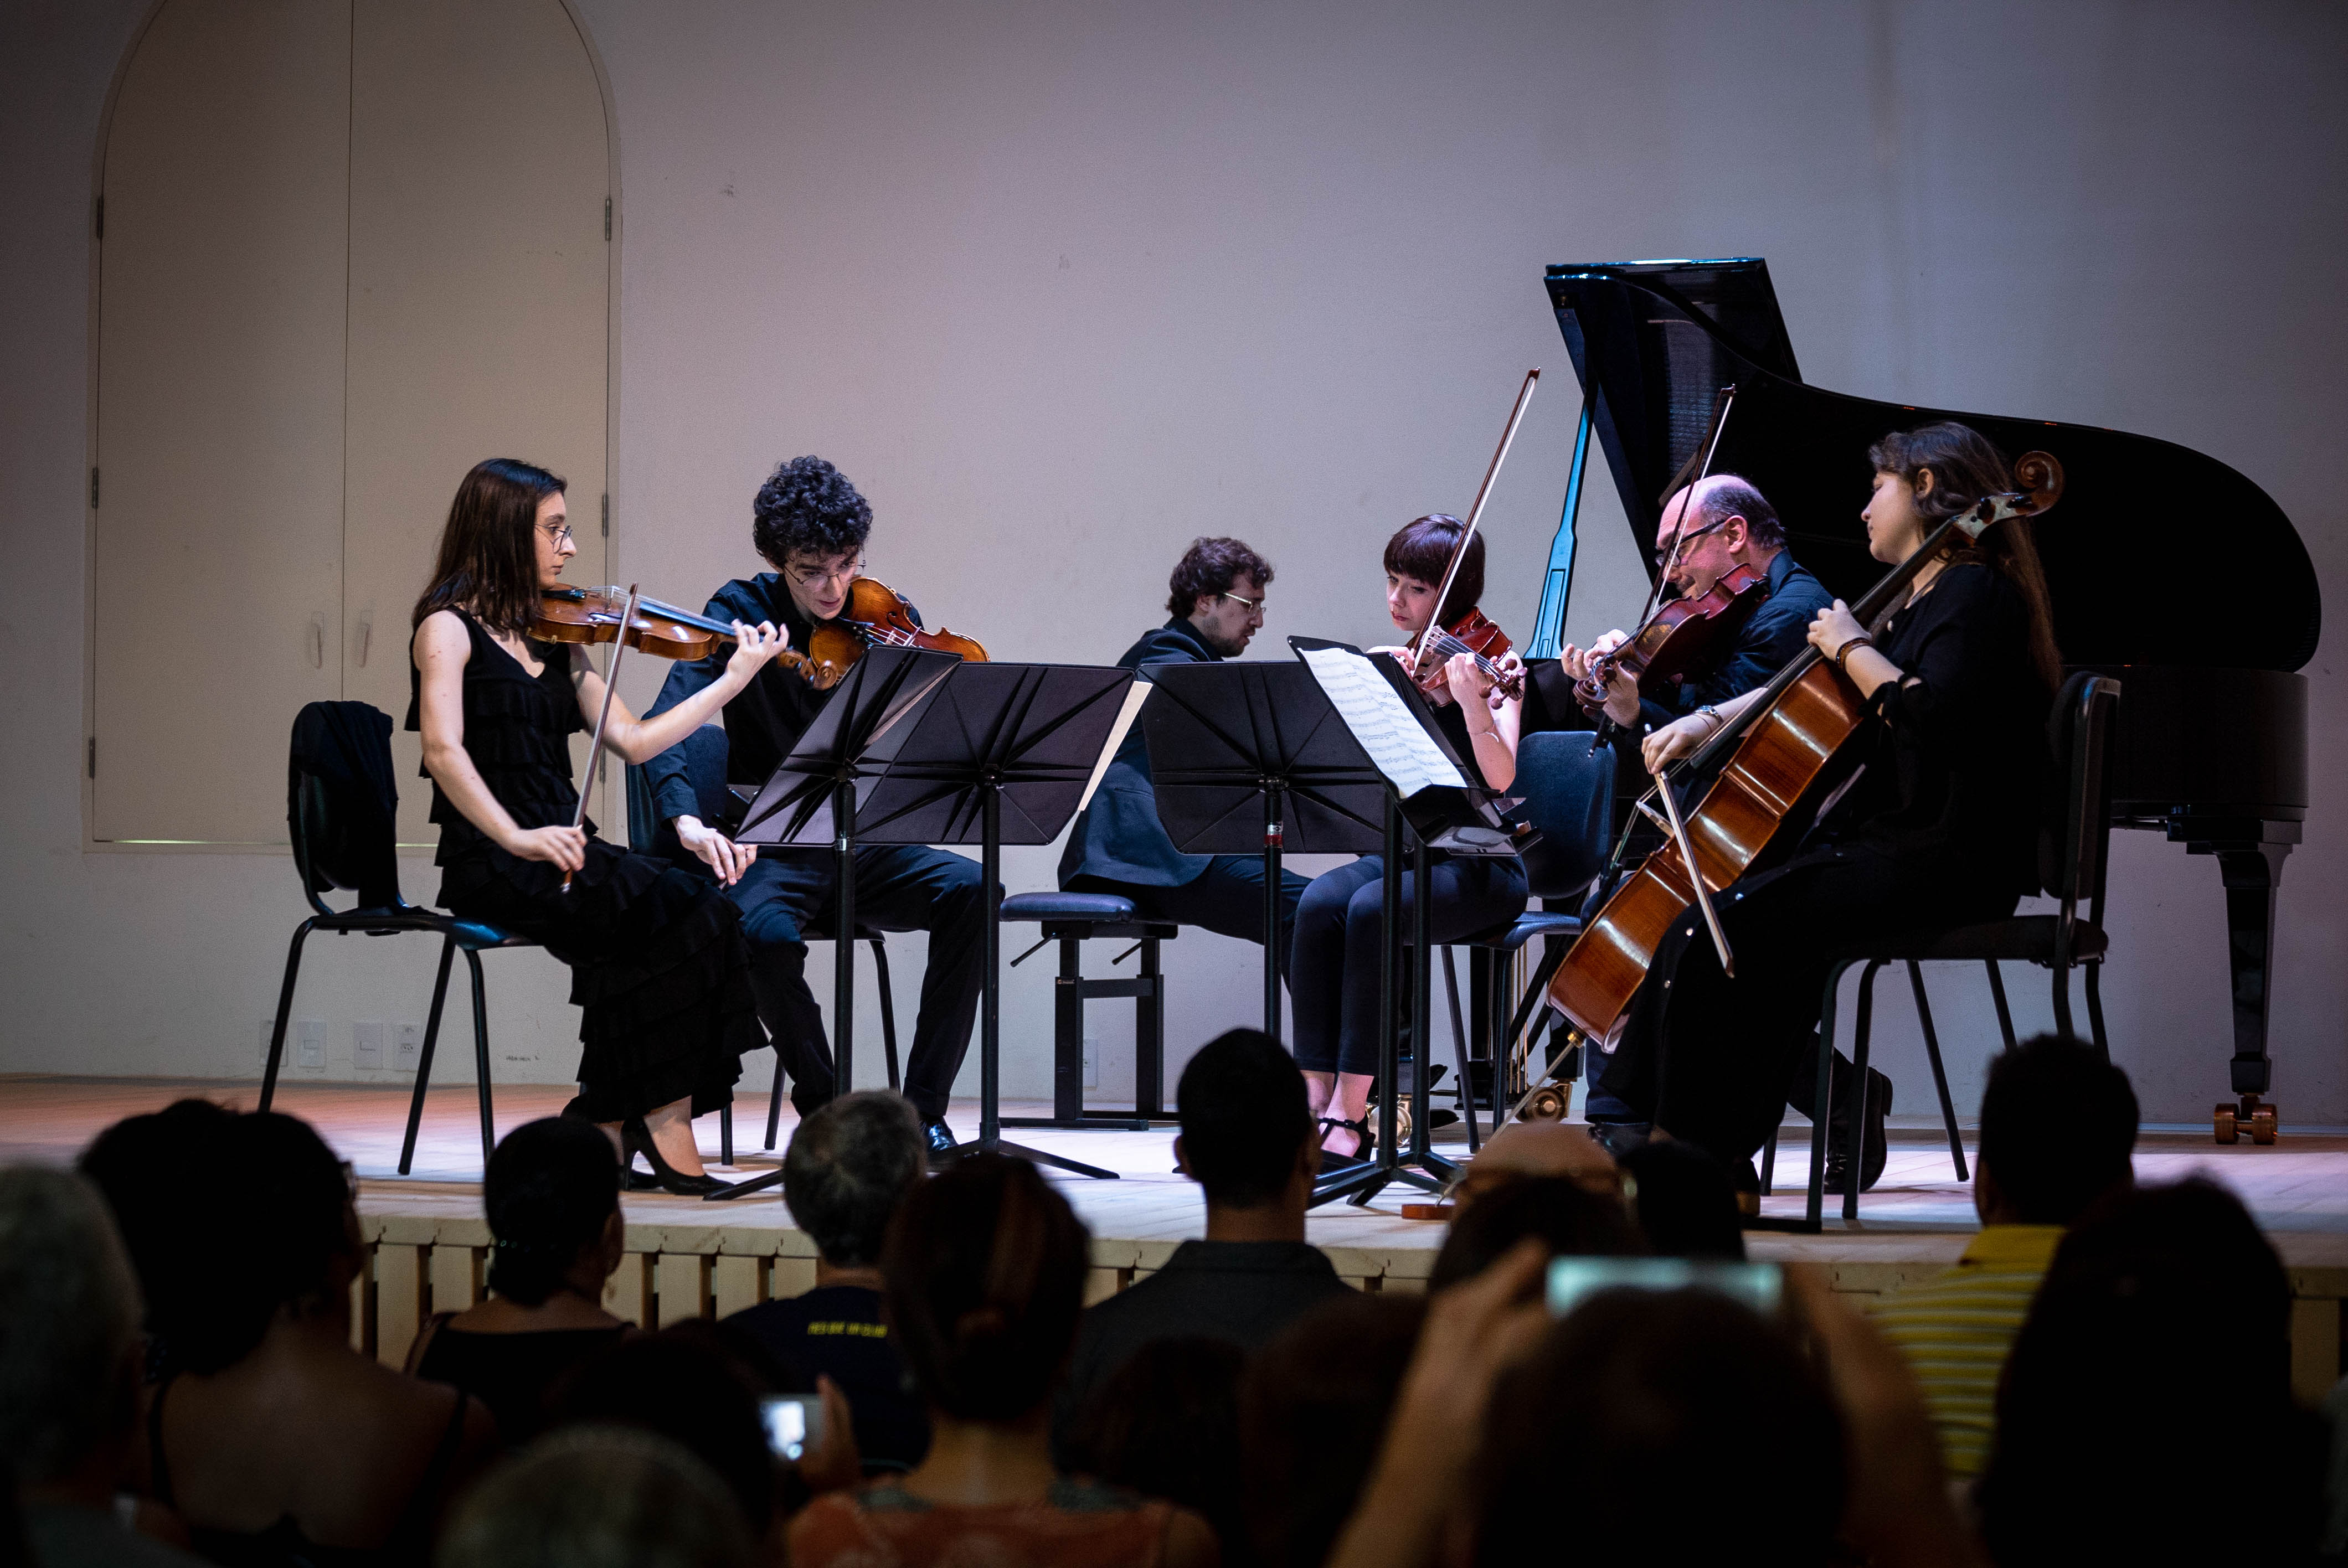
column 600, row 1497
column 1567, row 1216
column 1167, row 1424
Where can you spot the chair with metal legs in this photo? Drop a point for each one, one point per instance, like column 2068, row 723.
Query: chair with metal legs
column 338, row 846
column 651, row 834
column 2072, row 855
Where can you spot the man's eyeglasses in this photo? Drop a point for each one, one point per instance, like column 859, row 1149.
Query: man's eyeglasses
column 560, row 535
column 1252, row 605
column 808, row 575
column 1664, row 557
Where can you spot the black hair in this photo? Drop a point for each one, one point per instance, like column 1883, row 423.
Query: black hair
column 690, row 1384
column 1167, row 1424
column 1965, row 468
column 1314, row 1404
column 807, row 506
column 849, row 1165
column 1635, row 1392
column 487, row 561
column 984, row 1276
column 1244, row 1117
column 1687, row 1204
column 1422, row 548
column 1568, row 1217
column 2050, row 1179
column 2093, row 1448
column 212, row 1290
column 1730, row 496
column 1211, row 565
column 552, row 1186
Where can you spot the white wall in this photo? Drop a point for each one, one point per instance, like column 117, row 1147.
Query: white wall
column 1061, row 285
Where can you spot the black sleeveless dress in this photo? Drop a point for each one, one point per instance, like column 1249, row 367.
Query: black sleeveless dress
column 658, row 966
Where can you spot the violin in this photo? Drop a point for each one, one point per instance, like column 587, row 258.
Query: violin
column 875, row 616
column 1783, row 756
column 1474, row 633
column 1681, row 635
column 591, row 615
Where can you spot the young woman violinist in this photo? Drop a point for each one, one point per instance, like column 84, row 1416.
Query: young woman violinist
column 1939, row 829
column 657, row 961
column 1335, row 956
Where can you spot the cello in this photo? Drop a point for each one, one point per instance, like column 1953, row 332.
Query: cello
column 1776, row 762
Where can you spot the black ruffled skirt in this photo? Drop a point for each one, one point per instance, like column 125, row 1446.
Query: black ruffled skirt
column 658, row 968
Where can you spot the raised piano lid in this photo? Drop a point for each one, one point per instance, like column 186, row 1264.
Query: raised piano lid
column 2156, row 555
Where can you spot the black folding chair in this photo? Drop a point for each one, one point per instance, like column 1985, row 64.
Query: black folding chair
column 2073, row 853
column 1568, row 789
column 333, row 850
column 649, row 832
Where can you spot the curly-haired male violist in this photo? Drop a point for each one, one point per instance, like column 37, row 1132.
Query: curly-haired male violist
column 810, row 526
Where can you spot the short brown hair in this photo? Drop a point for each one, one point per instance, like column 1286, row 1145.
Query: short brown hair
column 1422, row 548
column 1211, row 565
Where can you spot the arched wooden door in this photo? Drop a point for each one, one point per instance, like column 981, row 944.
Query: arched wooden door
column 347, row 247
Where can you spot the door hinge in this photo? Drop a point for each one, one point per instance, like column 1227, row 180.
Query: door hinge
column 97, row 223
column 93, row 756
column 607, row 218
column 93, row 486
column 607, row 517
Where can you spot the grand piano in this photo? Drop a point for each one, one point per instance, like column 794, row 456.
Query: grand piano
column 2214, row 755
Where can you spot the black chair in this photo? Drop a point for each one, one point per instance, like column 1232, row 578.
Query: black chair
column 339, row 845
column 1568, row 788
column 649, row 832
column 1072, row 919
column 2073, row 853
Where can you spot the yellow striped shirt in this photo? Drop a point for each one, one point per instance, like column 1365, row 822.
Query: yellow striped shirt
column 1956, row 1328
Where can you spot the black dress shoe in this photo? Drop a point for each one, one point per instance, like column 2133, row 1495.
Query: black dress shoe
column 940, row 1140
column 637, row 1138
column 1619, row 1138
column 1875, row 1147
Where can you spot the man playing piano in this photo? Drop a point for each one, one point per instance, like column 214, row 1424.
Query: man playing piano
column 811, row 524
column 1732, row 526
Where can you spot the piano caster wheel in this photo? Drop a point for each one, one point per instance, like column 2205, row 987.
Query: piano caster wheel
column 1548, row 1105
column 2252, row 1115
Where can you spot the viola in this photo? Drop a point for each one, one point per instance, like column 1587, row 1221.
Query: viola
column 1783, row 754
column 591, row 615
column 1474, row 634
column 1681, row 636
column 875, row 616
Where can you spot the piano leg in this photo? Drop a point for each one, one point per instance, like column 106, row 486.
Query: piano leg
column 2251, row 873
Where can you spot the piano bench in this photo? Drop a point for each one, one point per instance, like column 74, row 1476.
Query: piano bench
column 1072, row 919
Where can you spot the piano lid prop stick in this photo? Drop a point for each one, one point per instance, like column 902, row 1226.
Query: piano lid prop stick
column 604, row 715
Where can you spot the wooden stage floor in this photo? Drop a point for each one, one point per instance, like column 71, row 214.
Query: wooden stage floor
column 1916, row 1220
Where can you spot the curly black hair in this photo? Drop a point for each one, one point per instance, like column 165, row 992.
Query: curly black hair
column 806, row 505
column 1211, row 565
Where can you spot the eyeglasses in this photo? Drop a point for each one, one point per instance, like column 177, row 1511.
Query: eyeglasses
column 561, row 535
column 807, row 576
column 1663, row 557
column 1252, row 605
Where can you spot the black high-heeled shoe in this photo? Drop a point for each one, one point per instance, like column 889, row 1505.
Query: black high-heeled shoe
column 635, row 1138
column 1364, row 1150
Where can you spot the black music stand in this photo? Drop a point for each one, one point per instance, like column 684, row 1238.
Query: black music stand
column 1251, row 759
column 1458, row 818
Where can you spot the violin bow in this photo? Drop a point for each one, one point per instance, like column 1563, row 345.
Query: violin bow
column 1476, row 512
column 603, row 716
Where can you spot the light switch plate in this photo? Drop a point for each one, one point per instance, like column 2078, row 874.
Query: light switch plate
column 367, row 1045
column 310, row 1043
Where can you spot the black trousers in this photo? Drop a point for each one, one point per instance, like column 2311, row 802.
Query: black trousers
column 1226, row 899
column 1709, row 1058
column 899, row 887
column 1333, row 969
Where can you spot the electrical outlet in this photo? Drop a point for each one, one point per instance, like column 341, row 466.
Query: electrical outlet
column 367, row 1046
column 310, row 1043
column 407, row 1047
column 1092, row 1062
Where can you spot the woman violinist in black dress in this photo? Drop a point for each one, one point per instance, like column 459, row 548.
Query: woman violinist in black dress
column 657, row 962
column 1940, row 829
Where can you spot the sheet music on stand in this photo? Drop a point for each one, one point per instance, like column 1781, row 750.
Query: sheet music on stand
column 1397, row 731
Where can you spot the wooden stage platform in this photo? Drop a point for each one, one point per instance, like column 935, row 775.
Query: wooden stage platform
column 687, row 1257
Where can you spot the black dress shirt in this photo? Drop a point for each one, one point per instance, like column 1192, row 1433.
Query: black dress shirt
column 1118, row 837
column 1767, row 644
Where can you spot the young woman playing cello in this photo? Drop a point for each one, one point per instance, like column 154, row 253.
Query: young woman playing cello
column 1333, row 963
column 656, row 958
column 1940, row 829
